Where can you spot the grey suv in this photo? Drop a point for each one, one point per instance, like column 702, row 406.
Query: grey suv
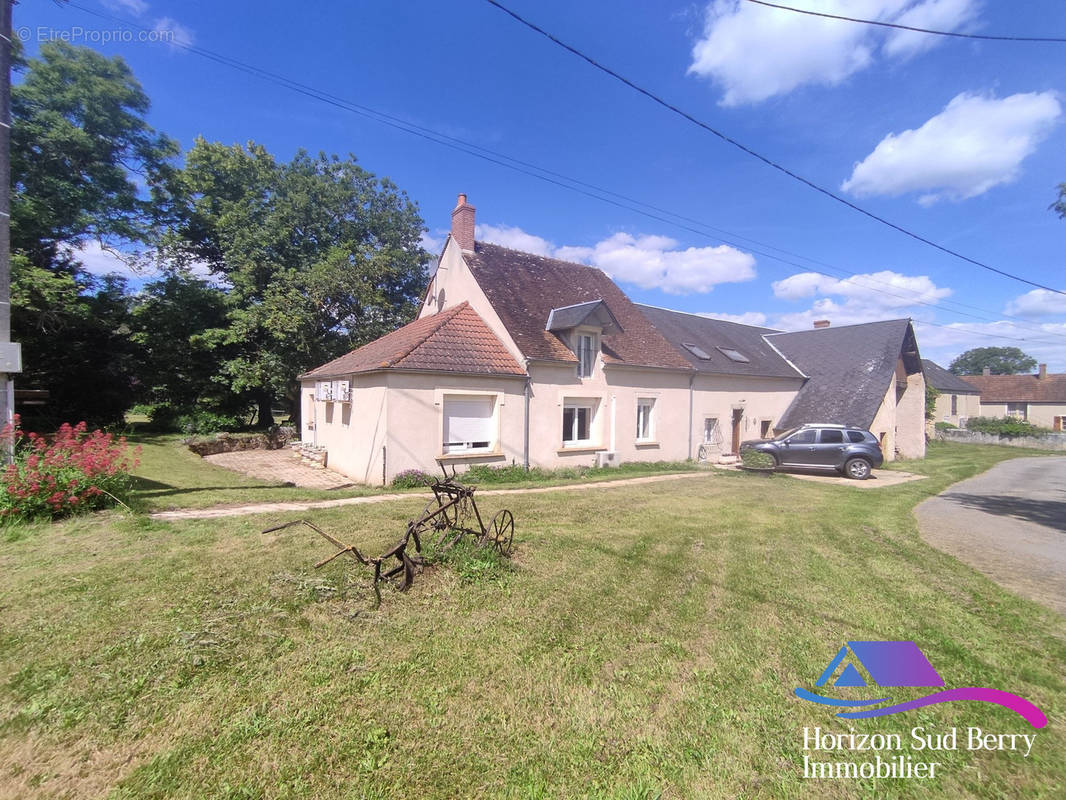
column 852, row 451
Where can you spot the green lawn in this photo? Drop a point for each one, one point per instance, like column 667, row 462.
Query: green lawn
column 645, row 644
column 172, row 476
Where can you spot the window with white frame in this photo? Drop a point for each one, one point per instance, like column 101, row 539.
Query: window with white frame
column 587, row 346
column 578, row 417
column 469, row 423
column 711, row 434
column 645, row 414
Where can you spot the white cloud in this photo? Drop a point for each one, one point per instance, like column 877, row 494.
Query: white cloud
column 942, row 343
column 514, row 238
column 1037, row 303
column 99, row 260
column 135, row 7
column 860, row 298
column 975, row 143
column 654, row 262
column 756, row 318
column 432, row 242
column 937, row 15
column 882, row 290
column 753, row 52
column 173, row 32
column 650, row 262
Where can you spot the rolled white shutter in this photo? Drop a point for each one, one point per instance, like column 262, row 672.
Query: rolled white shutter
column 468, row 419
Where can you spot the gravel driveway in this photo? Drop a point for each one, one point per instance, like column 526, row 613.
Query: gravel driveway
column 1009, row 523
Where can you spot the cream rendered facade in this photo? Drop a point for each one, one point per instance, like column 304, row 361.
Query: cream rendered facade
column 554, row 416
column 1043, row 415
column 904, row 398
column 956, row 408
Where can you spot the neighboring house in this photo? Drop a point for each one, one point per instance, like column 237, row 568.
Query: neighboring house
column 957, row 401
column 520, row 358
column 1039, row 399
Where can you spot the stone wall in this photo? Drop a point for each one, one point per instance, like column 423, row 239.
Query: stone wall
column 274, row 439
column 1051, row 441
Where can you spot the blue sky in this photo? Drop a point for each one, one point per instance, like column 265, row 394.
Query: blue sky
column 958, row 140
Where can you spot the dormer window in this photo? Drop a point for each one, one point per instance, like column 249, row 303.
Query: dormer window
column 587, row 347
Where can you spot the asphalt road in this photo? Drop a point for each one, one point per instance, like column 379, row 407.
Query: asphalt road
column 1009, row 523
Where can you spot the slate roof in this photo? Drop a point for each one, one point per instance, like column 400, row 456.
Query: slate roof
column 850, row 369
column 944, row 381
column 711, row 334
column 524, row 288
column 455, row 340
column 1020, row 388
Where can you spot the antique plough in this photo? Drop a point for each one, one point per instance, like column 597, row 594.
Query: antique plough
column 451, row 515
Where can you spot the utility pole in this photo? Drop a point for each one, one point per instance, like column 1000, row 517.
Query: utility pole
column 10, row 352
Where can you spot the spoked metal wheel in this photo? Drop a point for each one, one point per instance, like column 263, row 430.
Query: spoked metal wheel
column 501, row 532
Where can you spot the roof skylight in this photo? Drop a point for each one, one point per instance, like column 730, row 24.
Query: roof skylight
column 697, row 351
column 735, row 355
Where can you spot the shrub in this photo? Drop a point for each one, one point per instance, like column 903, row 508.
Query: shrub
column 202, row 421
column 72, row 472
column 1004, row 426
column 411, row 479
column 945, row 426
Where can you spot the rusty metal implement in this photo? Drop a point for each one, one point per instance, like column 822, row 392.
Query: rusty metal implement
column 450, row 515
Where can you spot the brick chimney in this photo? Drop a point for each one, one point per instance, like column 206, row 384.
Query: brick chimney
column 1043, row 372
column 463, row 224
column 821, row 323
column 986, row 371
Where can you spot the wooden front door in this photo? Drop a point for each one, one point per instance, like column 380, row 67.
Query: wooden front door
column 738, row 415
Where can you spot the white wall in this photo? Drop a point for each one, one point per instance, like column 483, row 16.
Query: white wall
column 758, row 399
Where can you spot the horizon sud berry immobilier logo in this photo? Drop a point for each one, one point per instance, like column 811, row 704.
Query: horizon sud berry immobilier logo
column 900, row 664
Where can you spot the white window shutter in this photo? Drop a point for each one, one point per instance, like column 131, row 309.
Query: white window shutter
column 468, row 419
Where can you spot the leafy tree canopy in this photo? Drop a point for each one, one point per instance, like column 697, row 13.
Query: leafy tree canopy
column 317, row 254
column 1000, row 360
column 80, row 152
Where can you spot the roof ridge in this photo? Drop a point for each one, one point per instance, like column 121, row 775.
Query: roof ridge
column 448, row 315
column 709, row 318
column 841, row 327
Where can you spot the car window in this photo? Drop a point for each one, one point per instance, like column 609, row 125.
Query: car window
column 832, row 437
column 803, row 437
column 856, row 436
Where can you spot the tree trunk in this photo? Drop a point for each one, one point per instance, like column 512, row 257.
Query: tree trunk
column 265, row 417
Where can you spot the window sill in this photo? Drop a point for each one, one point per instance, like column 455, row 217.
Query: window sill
column 581, row 448
column 471, row 456
column 646, row 443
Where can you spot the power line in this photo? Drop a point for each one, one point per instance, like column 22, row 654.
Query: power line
column 984, row 37
column 768, row 161
column 533, row 170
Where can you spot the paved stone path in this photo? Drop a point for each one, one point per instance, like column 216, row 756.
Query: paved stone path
column 310, row 505
column 1009, row 523
column 279, row 466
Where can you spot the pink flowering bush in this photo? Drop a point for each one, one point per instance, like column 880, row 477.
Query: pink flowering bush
column 68, row 473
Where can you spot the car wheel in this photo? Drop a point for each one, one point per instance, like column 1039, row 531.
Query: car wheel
column 857, row 469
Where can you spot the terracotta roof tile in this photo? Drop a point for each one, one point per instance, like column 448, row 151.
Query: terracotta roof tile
column 455, row 340
column 524, row 288
column 1020, row 388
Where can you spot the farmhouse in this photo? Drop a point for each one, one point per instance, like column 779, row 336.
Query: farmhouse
column 518, row 358
column 957, row 400
column 1039, row 399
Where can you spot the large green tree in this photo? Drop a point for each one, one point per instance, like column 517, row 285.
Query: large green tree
column 1000, row 360
column 82, row 156
column 317, row 256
